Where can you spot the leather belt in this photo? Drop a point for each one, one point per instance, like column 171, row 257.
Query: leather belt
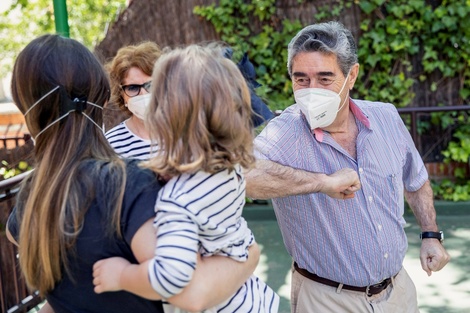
column 369, row 290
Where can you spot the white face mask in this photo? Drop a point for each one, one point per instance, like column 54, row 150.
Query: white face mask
column 320, row 106
column 138, row 105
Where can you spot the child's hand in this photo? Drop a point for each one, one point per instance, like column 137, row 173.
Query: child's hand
column 107, row 274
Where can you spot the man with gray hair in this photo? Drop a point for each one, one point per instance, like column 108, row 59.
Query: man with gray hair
column 348, row 248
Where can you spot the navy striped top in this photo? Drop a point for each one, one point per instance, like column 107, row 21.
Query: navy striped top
column 129, row 145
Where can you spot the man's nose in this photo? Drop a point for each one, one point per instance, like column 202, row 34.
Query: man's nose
column 314, row 84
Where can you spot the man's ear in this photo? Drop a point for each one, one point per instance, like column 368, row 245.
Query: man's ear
column 353, row 75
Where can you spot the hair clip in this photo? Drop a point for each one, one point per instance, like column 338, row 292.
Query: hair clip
column 78, row 104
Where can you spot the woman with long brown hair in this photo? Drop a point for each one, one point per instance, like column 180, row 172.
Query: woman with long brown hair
column 83, row 202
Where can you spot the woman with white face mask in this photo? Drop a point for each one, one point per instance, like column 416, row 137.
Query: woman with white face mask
column 130, row 73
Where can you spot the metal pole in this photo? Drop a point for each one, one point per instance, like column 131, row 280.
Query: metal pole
column 61, row 18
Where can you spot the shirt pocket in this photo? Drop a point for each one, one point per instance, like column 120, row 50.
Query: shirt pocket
column 395, row 183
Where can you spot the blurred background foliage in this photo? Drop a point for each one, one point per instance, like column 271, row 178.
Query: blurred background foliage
column 412, row 52
column 23, row 20
column 404, row 45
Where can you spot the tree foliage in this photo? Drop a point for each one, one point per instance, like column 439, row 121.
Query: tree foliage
column 235, row 21
column 396, row 32
column 26, row 19
column 405, row 48
column 404, row 45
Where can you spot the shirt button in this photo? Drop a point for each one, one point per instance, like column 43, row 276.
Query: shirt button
column 370, row 199
column 386, row 255
column 379, row 227
column 361, row 170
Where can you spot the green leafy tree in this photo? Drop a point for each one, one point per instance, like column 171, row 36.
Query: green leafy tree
column 394, row 32
column 403, row 44
column 23, row 20
column 234, row 20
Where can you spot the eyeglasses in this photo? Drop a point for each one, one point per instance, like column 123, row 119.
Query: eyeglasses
column 133, row 90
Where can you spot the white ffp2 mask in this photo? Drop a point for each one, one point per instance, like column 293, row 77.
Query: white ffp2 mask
column 138, row 105
column 320, row 106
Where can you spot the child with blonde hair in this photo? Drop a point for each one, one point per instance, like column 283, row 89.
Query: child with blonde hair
column 200, row 117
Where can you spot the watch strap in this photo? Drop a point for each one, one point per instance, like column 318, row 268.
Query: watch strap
column 431, row 234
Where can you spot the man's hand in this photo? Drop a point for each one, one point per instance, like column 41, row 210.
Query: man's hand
column 341, row 184
column 107, row 274
column 433, row 255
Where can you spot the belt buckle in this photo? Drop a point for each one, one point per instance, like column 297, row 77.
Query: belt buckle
column 381, row 284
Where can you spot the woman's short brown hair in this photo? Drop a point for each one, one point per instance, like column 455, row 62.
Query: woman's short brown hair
column 142, row 56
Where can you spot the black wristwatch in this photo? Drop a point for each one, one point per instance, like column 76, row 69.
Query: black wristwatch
column 432, row 234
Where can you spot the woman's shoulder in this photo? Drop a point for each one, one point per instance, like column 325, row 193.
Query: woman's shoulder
column 137, row 174
column 110, row 174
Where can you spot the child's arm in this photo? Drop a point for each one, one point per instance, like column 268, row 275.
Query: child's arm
column 215, row 279
column 168, row 272
column 114, row 274
column 176, row 251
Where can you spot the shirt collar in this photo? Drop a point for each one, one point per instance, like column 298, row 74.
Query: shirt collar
column 358, row 113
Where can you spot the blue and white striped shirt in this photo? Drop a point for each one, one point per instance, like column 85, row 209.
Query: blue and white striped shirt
column 129, row 145
column 358, row 241
column 201, row 212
